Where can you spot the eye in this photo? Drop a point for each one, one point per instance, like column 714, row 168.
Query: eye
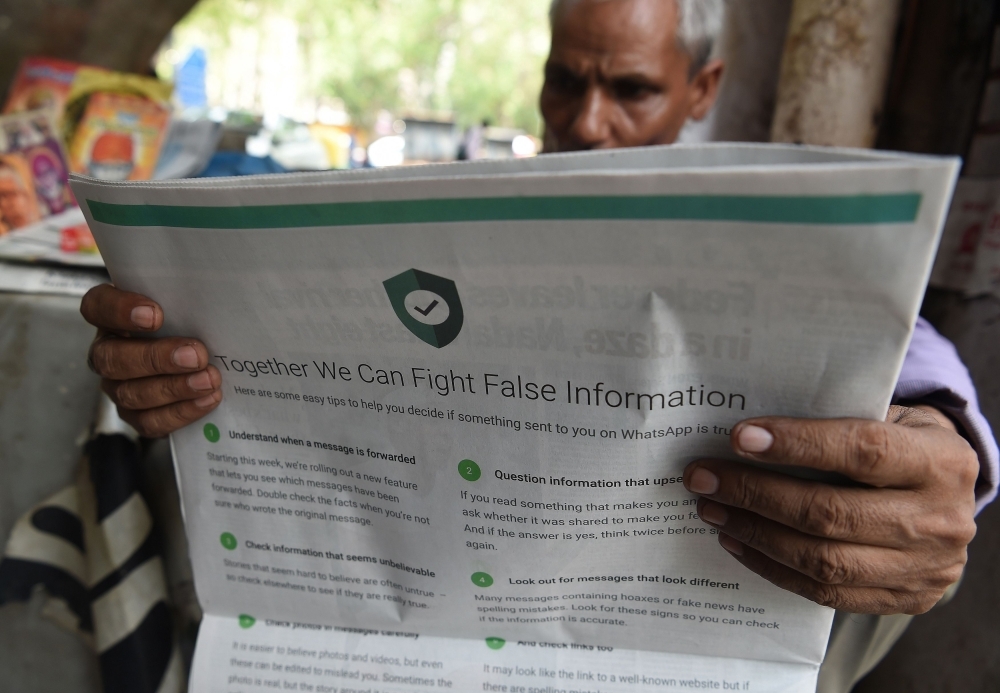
column 563, row 80
column 632, row 90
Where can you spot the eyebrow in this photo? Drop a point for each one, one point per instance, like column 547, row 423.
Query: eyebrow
column 634, row 77
column 645, row 79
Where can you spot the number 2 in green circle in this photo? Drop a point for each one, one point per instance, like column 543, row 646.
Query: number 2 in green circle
column 469, row 470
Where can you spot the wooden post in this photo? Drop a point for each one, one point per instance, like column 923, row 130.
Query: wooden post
column 834, row 71
column 940, row 71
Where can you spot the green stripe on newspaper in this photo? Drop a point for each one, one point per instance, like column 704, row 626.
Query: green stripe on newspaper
column 831, row 209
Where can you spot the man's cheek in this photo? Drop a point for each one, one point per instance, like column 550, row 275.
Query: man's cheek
column 642, row 123
column 555, row 116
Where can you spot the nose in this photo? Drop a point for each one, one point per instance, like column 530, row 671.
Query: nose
column 591, row 128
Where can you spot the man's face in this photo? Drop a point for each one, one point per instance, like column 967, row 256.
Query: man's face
column 15, row 207
column 616, row 77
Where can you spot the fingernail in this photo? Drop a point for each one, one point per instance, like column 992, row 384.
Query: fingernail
column 200, row 381
column 754, row 439
column 703, row 482
column 715, row 514
column 208, row 400
column 731, row 545
column 185, row 357
column 142, row 316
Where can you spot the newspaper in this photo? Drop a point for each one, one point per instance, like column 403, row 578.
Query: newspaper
column 54, row 240
column 188, row 148
column 459, row 399
column 33, row 279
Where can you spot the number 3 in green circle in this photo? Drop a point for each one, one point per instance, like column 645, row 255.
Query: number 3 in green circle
column 469, row 470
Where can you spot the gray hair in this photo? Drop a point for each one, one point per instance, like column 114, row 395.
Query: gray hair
column 698, row 28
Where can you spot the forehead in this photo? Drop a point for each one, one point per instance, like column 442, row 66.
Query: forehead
column 9, row 179
column 633, row 33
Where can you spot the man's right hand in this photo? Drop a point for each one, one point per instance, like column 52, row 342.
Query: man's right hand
column 159, row 384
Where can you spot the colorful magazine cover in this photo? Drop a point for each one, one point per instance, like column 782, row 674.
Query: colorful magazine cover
column 119, row 137
column 18, row 204
column 41, row 83
column 34, row 176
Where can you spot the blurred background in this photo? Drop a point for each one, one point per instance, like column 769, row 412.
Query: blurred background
column 134, row 89
column 336, row 84
column 410, row 81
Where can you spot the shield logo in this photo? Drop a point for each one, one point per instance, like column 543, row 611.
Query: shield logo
column 428, row 305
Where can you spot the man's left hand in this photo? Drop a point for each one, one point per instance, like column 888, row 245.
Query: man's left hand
column 890, row 543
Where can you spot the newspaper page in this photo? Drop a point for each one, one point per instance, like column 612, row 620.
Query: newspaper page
column 61, row 239
column 33, row 279
column 458, row 402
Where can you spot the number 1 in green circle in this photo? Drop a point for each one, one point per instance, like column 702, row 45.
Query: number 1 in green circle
column 211, row 433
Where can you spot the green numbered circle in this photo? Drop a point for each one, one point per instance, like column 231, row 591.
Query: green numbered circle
column 469, row 470
column 482, row 579
column 228, row 540
column 247, row 621
column 495, row 643
column 211, row 433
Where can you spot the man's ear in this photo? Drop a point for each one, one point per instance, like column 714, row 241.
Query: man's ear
column 705, row 88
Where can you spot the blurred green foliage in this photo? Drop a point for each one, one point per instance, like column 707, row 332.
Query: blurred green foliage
column 468, row 59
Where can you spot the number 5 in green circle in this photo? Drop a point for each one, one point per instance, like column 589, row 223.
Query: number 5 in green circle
column 469, row 470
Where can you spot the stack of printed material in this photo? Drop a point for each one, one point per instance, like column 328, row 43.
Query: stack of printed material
column 459, row 400
column 39, row 219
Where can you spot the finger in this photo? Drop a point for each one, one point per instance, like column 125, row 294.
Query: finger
column 824, row 560
column 119, row 358
column 880, row 517
column 106, row 307
column 160, row 390
column 872, row 452
column 155, row 423
column 857, row 600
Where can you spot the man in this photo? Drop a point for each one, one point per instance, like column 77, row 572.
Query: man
column 625, row 73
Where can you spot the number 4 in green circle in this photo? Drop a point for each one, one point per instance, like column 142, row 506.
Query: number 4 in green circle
column 482, row 579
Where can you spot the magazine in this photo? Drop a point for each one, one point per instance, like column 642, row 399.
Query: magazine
column 34, row 177
column 119, row 137
column 41, row 83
